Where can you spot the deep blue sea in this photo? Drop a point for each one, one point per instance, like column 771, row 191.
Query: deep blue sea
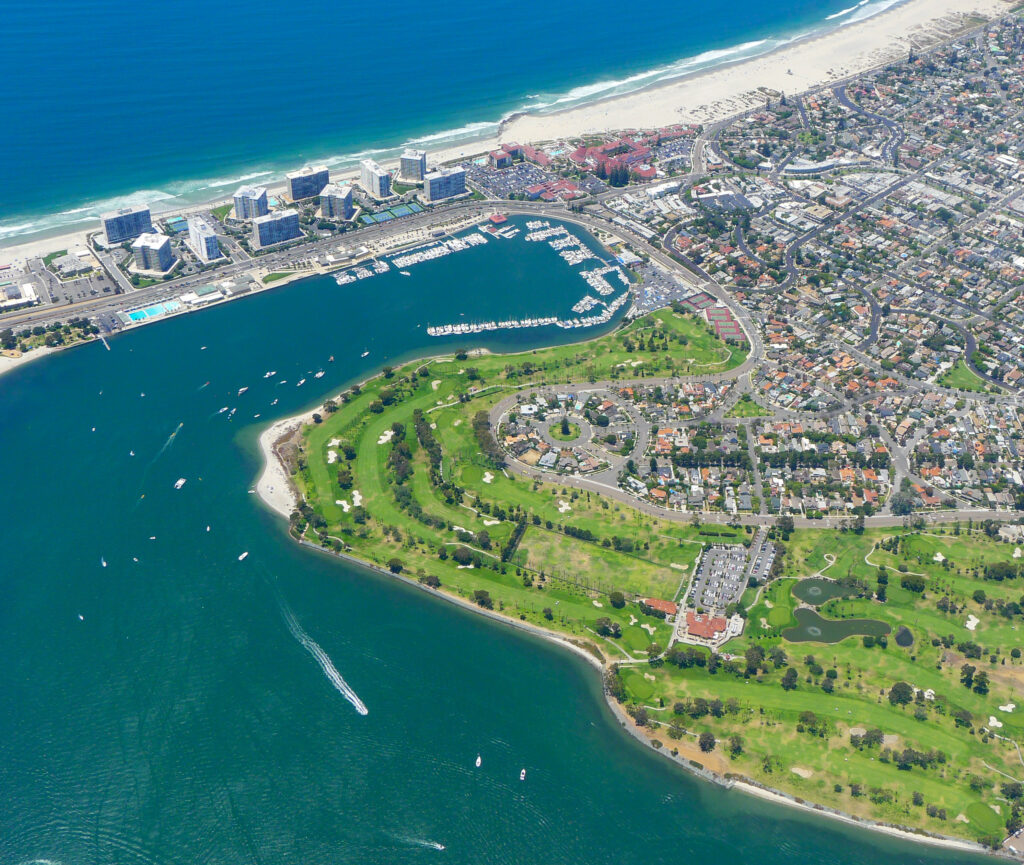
column 107, row 102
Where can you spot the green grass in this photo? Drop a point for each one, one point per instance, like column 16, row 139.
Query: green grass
column 49, row 259
column 274, row 277
column 746, row 407
column 222, row 211
column 572, row 435
column 962, row 378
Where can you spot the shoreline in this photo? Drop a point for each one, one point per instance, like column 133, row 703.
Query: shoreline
column 275, row 491
column 803, row 63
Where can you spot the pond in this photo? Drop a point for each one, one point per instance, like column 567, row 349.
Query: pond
column 812, row 628
column 816, row 591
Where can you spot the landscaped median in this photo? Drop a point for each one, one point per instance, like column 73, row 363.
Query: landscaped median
column 403, row 472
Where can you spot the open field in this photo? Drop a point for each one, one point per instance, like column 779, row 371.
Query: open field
column 961, row 378
column 746, row 407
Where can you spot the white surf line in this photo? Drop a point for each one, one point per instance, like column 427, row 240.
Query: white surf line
column 313, row 647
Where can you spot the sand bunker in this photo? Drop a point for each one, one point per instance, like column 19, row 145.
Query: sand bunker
column 972, row 622
column 332, row 457
column 386, row 436
column 488, row 477
column 803, row 773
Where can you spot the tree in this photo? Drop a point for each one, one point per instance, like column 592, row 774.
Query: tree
column 707, row 742
column 735, row 745
column 789, row 679
column 617, row 600
column 395, row 565
column 565, row 427
column 430, row 580
column 483, row 599
column 900, row 694
column 548, row 614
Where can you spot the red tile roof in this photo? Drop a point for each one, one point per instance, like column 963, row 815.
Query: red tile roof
column 705, row 626
column 667, row 607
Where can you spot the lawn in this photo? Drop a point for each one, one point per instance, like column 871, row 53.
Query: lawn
column 746, row 407
column 222, row 211
column 274, row 277
column 565, row 432
column 962, row 378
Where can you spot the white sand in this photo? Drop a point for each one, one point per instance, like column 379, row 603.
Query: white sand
column 993, row 721
column 597, row 604
column 386, row 436
column 648, row 628
column 972, row 622
column 8, row 363
column 564, row 507
column 332, row 457
column 357, row 498
column 345, row 506
column 435, row 384
column 1016, row 552
column 274, row 486
column 491, row 522
column 488, row 477
column 857, row 731
column 1009, row 707
column 938, row 557
column 795, row 68
column 803, row 773
column 632, row 619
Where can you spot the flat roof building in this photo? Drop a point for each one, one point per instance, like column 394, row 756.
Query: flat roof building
column 336, row 202
column 374, row 179
column 126, row 223
column 445, row 183
column 202, row 239
column 251, row 202
column 307, row 182
column 153, row 252
column 277, row 227
column 413, row 165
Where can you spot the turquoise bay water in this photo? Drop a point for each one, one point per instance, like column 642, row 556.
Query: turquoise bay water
column 107, row 102
column 161, row 711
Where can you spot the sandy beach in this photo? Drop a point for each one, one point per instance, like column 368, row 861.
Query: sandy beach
column 800, row 66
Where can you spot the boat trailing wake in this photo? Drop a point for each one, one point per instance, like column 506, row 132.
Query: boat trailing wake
column 422, row 842
column 311, row 646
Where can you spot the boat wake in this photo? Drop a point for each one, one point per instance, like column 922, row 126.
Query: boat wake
column 313, row 647
column 421, row 842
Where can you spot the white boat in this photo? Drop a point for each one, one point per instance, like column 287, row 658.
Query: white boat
column 81, row 618
column 223, row 410
column 131, row 453
column 522, row 775
column 103, row 561
column 405, row 273
column 231, row 413
column 364, row 354
column 207, row 528
column 274, row 402
column 242, row 557
column 242, row 390
column 319, row 374
column 179, row 483
column 478, row 761
column 300, row 382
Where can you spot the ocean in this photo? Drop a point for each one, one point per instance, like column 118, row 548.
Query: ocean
column 108, row 103
column 163, row 701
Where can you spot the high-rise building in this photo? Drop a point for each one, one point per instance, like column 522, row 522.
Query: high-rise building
column 444, row 183
column 202, row 239
column 307, row 182
column 250, row 202
column 276, row 227
column 336, row 202
column 374, row 179
column 126, row 223
column 413, row 165
column 153, row 252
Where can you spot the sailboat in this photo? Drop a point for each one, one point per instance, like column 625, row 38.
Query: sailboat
column 103, row 561
column 478, row 761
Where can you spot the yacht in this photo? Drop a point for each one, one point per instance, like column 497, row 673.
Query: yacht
column 364, row 354
column 179, row 483
column 478, row 761
column 522, row 775
column 242, row 558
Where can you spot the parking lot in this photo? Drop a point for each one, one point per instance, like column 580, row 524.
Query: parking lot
column 721, row 577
